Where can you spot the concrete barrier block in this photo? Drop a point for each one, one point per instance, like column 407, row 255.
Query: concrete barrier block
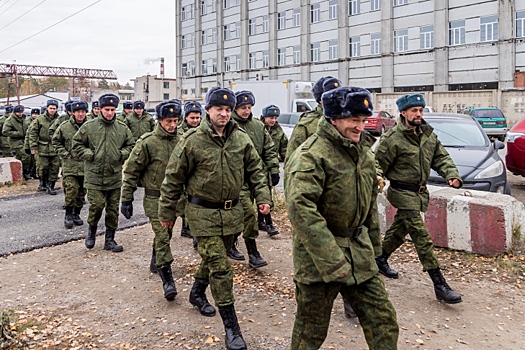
column 10, row 171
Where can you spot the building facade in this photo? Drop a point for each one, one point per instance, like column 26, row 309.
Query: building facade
column 458, row 53
column 153, row 90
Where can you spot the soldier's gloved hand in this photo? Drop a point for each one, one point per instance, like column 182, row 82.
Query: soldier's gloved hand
column 28, row 151
column 126, row 208
column 275, row 179
column 381, row 183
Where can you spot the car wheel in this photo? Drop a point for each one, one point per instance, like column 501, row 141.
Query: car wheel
column 383, row 129
column 507, row 189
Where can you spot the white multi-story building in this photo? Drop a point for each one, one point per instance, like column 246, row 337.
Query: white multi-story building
column 457, row 52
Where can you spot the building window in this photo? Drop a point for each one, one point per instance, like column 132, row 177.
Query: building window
column 204, row 90
column 166, row 84
column 315, row 52
column 204, row 67
column 213, row 5
column 488, row 29
column 281, row 20
column 332, row 49
column 400, row 2
column 226, row 64
column 188, row 41
column 204, row 7
column 375, row 5
column 281, row 57
column 520, row 24
column 214, row 65
column 265, row 24
column 204, row 38
column 296, row 54
column 238, row 62
column 354, row 7
column 355, row 46
column 236, row 30
column 253, row 60
column 266, row 59
column 184, row 70
column 183, row 41
column 166, row 97
column 401, row 40
column 456, row 33
column 225, row 4
column 315, row 13
column 214, row 35
column 296, row 17
column 332, row 9
column 426, row 37
column 187, row 12
column 252, row 26
column 226, row 32
column 375, row 44
column 191, row 65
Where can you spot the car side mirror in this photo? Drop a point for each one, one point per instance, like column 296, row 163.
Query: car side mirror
column 498, row 145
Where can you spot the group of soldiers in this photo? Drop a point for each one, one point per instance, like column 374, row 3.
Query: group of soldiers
column 216, row 171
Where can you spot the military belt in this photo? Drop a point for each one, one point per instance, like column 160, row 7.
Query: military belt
column 153, row 193
column 226, row 205
column 349, row 232
column 409, row 187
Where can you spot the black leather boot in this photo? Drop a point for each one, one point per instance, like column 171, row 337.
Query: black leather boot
column 349, row 312
column 383, row 266
column 272, row 231
column 234, row 253
column 185, row 229
column 153, row 263
column 68, row 219
column 198, row 299
column 91, row 237
column 168, row 284
column 195, row 243
column 50, row 185
column 42, row 184
column 442, row 289
column 260, row 221
column 255, row 259
column 76, row 216
column 233, row 336
column 110, row 243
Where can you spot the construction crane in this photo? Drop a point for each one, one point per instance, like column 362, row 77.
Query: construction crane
column 12, row 70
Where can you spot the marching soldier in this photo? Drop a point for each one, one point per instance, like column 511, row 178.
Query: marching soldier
column 406, row 153
column 212, row 163
column 35, row 112
column 4, row 140
column 72, row 168
column 61, row 118
column 40, row 144
column 139, row 121
column 266, row 149
column 95, row 111
column 103, row 144
column 331, row 192
column 147, row 164
column 126, row 110
column 15, row 127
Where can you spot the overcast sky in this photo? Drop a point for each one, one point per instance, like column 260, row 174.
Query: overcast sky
column 126, row 36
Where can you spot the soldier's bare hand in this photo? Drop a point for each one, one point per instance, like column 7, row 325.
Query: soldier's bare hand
column 167, row 224
column 264, row 209
column 454, row 183
column 33, row 151
column 380, row 183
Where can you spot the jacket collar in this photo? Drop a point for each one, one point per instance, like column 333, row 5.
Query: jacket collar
column 240, row 120
column 160, row 132
column 206, row 126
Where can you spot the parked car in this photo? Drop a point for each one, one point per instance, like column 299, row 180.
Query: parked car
column 476, row 158
column 491, row 120
column 515, row 157
column 428, row 110
column 288, row 121
column 380, row 122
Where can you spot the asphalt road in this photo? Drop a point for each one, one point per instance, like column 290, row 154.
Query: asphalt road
column 32, row 221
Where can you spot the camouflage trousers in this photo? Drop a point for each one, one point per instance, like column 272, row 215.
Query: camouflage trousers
column 215, row 268
column 369, row 300
column 251, row 229
column 6, row 149
column 24, row 158
column 48, row 165
column 410, row 222
column 161, row 243
column 74, row 191
column 100, row 200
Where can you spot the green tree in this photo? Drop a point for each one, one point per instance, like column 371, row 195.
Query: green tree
column 103, row 84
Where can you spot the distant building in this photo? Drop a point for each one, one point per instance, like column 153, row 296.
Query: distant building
column 39, row 100
column 153, row 90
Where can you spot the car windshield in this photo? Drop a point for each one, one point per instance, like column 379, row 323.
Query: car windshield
column 458, row 133
column 312, row 104
column 488, row 113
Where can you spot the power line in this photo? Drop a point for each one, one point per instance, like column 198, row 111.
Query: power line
column 51, row 26
column 23, row 14
column 7, row 9
column 5, row 3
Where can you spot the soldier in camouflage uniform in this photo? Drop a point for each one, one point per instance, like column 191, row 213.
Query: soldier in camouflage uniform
column 35, row 112
column 48, row 163
column 307, row 124
column 406, row 153
column 269, row 118
column 4, row 140
column 212, row 163
column 139, row 121
column 95, row 111
column 15, row 127
column 103, row 144
column 192, row 119
column 61, row 118
column 331, row 192
column 126, row 110
column 72, row 168
column 266, row 149
column 147, row 163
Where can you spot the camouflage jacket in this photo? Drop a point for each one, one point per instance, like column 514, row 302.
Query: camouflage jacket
column 122, row 116
column 261, row 140
column 39, row 138
column 279, row 140
column 62, row 118
column 4, row 140
column 62, row 142
column 26, row 138
column 213, row 168
column 91, row 116
column 182, row 128
column 305, row 127
column 147, row 162
column 406, row 157
column 103, row 145
column 140, row 125
column 323, row 199
column 15, row 128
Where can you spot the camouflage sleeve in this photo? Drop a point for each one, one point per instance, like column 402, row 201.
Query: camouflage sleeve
column 299, row 135
column 152, row 124
column 443, row 163
column 33, row 135
column 80, row 145
column 10, row 130
column 128, row 145
column 26, row 138
column 254, row 175
column 59, row 144
column 180, row 164
column 372, row 220
column 385, row 156
column 304, row 187
column 269, row 155
column 284, row 146
column 137, row 162
column 54, row 126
